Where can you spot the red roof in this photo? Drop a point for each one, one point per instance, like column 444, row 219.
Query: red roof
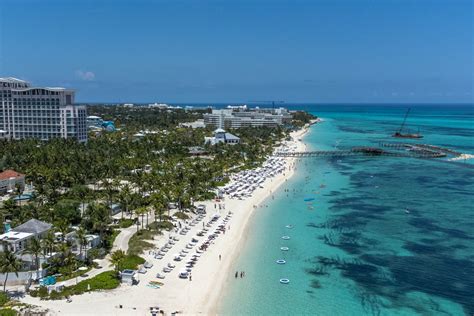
column 7, row 174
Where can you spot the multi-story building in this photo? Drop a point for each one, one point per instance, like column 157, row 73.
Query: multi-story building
column 241, row 117
column 43, row 113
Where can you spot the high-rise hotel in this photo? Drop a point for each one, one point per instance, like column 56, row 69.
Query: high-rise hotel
column 43, row 113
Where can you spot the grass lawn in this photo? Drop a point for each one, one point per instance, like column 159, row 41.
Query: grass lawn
column 131, row 262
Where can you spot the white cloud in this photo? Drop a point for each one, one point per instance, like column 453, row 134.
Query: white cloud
column 85, row 75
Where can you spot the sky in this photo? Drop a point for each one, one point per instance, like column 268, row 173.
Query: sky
column 198, row 51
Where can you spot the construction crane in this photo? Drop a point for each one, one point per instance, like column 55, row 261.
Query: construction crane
column 273, row 102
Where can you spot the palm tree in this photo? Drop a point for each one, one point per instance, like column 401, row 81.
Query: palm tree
column 99, row 215
column 139, row 212
column 124, row 198
column 49, row 243
column 35, row 249
column 8, row 208
column 81, row 239
column 116, row 259
column 8, row 263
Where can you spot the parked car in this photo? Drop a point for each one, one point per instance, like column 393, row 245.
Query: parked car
column 148, row 265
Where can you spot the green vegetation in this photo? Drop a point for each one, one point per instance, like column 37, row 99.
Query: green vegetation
column 126, row 222
column 9, row 263
column 131, row 262
column 181, row 215
column 76, row 183
column 300, row 118
column 137, row 244
column 163, row 225
column 107, row 280
column 73, row 275
column 8, row 312
column 3, row 299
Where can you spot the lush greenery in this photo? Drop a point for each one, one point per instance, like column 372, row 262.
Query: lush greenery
column 3, row 299
column 137, row 243
column 8, row 312
column 76, row 184
column 126, row 222
column 104, row 281
column 300, row 118
column 141, row 117
column 131, row 262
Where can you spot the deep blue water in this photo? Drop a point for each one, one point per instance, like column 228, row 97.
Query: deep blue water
column 355, row 250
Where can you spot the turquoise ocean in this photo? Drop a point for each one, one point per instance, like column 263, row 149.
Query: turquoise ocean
column 355, row 249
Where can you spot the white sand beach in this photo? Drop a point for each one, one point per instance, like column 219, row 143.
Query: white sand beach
column 209, row 276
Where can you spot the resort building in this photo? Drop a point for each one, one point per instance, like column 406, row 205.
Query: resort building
column 195, row 124
column 237, row 117
column 37, row 112
column 10, row 179
column 221, row 136
column 17, row 238
column 97, row 123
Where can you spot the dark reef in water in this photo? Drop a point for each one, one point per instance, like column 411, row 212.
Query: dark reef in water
column 393, row 277
column 438, row 242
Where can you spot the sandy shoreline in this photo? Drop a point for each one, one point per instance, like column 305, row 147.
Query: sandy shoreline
column 210, row 276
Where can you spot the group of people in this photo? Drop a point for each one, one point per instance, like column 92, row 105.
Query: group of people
column 242, row 274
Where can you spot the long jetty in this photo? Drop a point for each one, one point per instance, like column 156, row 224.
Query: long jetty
column 397, row 150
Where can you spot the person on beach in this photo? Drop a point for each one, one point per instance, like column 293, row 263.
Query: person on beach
column 236, row 274
column 241, row 274
column 190, row 278
column 219, row 257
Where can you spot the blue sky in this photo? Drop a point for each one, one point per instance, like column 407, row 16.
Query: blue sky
column 235, row 51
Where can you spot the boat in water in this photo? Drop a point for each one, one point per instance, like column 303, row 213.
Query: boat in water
column 400, row 134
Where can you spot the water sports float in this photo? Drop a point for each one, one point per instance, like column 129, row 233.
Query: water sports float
column 284, row 248
column 281, row 261
column 285, row 237
column 284, row 281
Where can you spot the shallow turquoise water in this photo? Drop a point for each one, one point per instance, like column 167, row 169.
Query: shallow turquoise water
column 357, row 251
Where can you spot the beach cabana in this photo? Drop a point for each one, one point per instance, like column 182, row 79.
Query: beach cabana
column 128, row 277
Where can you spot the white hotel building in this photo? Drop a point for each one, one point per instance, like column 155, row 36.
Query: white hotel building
column 43, row 113
column 241, row 117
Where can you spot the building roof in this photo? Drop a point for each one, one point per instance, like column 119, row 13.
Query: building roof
column 14, row 236
column 12, row 80
column 219, row 130
column 231, row 136
column 7, row 174
column 33, row 226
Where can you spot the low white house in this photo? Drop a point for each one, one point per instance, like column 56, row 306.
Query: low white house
column 93, row 241
column 17, row 240
column 221, row 136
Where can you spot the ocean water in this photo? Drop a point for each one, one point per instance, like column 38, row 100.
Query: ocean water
column 355, row 250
